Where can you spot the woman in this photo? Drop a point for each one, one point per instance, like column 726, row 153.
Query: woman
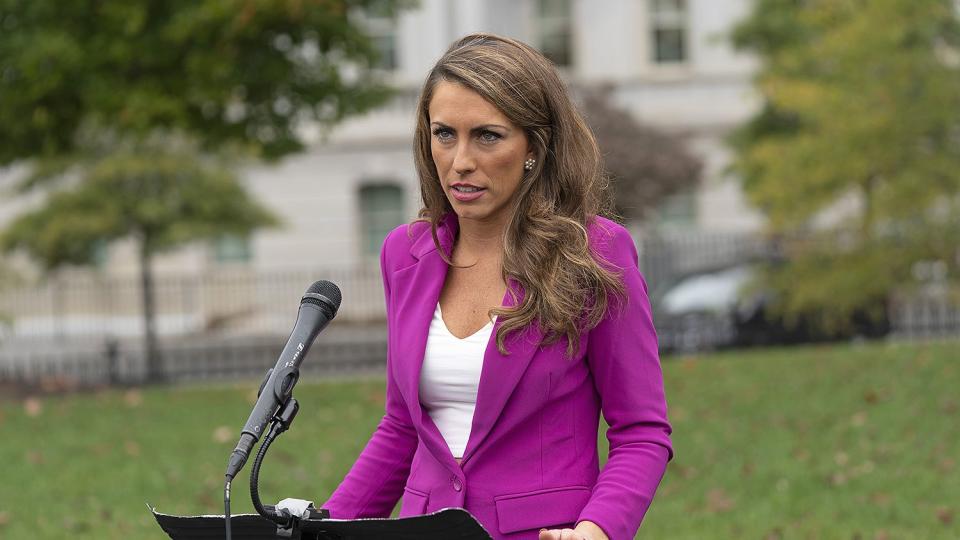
column 500, row 416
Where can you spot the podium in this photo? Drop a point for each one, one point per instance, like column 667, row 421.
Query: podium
column 277, row 407
column 447, row 524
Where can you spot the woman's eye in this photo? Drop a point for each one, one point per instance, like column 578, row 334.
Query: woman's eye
column 489, row 136
column 442, row 134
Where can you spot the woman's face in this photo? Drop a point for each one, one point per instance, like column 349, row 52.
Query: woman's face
column 478, row 152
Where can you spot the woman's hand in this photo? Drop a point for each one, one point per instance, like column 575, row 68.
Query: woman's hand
column 586, row 530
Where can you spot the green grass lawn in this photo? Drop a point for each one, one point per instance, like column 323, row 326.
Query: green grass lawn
column 814, row 442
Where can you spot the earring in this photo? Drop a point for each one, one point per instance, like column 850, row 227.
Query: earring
column 528, row 164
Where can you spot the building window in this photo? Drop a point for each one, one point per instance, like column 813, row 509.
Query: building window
column 100, row 253
column 381, row 210
column 232, row 248
column 668, row 31
column 554, row 36
column 678, row 210
column 380, row 22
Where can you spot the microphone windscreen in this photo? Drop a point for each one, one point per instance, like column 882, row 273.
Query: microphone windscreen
column 328, row 290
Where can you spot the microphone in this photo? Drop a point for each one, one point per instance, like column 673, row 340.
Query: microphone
column 318, row 307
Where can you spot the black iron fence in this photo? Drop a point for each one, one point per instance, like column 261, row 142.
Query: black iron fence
column 925, row 315
column 84, row 328
column 86, row 363
column 668, row 256
column 88, row 304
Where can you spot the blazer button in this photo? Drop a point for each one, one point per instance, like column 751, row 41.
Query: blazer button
column 457, row 485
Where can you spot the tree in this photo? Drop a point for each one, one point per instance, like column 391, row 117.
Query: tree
column 159, row 191
column 227, row 71
column 646, row 164
column 853, row 157
column 8, row 277
column 121, row 105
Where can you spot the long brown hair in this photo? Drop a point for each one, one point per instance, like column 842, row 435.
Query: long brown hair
column 567, row 289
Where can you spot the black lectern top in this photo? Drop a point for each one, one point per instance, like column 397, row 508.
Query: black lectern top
column 447, row 524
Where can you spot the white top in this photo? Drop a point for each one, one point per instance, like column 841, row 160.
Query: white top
column 449, row 380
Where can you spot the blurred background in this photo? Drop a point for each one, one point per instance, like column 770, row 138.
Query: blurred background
column 176, row 173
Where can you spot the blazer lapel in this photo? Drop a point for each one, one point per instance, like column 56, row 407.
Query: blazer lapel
column 500, row 374
column 414, row 303
column 416, row 292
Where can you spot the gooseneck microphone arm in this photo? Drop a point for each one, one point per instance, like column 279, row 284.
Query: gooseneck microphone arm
column 317, row 307
column 275, row 401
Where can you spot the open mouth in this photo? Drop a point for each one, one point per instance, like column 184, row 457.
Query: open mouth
column 466, row 192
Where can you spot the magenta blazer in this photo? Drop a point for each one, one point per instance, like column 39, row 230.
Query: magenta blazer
column 531, row 459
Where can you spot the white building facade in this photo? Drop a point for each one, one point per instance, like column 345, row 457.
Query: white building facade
column 669, row 62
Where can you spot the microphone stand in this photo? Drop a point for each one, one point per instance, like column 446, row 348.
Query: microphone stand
column 316, row 524
column 288, row 525
column 278, row 409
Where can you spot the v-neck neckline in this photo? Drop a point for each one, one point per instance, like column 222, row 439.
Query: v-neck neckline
column 439, row 313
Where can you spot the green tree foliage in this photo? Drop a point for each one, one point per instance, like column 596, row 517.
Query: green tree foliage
column 646, row 164
column 158, row 190
column 862, row 122
column 118, row 106
column 8, row 278
column 238, row 71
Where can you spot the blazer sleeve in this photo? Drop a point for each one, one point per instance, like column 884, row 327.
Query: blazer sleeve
column 375, row 482
column 624, row 361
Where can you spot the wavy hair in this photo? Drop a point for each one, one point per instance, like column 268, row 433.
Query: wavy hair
column 567, row 287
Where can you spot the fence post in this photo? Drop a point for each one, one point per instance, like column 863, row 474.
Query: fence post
column 112, row 355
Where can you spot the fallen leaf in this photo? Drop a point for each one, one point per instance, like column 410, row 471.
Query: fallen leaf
column 838, row 479
column 4, row 518
column 325, row 458
column 949, row 406
column 133, row 398
column 946, row 464
column 870, row 396
column 101, row 449
column 222, row 434
column 688, row 363
column 775, row 534
column 376, row 397
column 32, row 407
column 881, row 498
column 866, row 467
column 719, row 501
column 881, row 535
column 56, row 385
column 686, row 471
column 132, row 448
column 75, row 525
column 205, row 499
column 34, row 457
column 858, row 419
column 945, row 515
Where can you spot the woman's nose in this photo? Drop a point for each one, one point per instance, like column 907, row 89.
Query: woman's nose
column 463, row 161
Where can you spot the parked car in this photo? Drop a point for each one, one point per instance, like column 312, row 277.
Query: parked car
column 717, row 309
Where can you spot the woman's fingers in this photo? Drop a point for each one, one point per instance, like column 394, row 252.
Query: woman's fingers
column 561, row 534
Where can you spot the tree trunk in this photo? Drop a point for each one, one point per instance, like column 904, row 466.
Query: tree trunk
column 150, row 348
column 868, row 187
